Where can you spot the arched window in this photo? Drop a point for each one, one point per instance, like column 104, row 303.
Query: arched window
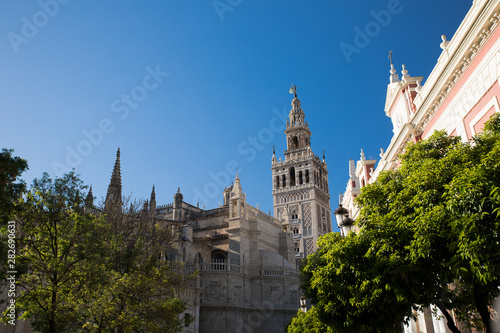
column 219, row 259
column 283, row 180
column 277, row 182
column 292, row 176
column 307, row 176
column 301, row 181
column 294, row 144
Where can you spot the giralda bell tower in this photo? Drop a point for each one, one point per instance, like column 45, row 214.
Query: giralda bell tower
column 300, row 185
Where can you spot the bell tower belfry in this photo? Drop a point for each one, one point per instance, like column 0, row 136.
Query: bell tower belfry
column 300, row 184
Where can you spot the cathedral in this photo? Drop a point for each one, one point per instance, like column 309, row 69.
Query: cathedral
column 247, row 260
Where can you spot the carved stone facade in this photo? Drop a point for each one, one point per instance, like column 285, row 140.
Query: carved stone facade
column 247, row 282
column 300, row 185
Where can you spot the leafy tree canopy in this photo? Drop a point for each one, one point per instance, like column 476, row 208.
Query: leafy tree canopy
column 11, row 167
column 428, row 234
column 307, row 322
column 78, row 274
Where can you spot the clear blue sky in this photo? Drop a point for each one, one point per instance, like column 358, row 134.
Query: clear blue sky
column 217, row 75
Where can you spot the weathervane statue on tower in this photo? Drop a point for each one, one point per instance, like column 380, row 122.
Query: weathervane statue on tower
column 293, row 90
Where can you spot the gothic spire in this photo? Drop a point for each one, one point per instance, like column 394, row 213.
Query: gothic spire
column 237, row 191
column 89, row 200
column 152, row 201
column 114, row 193
column 153, row 194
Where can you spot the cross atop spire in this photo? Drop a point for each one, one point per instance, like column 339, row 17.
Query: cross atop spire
column 394, row 76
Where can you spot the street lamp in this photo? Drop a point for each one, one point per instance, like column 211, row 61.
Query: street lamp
column 303, row 303
column 344, row 222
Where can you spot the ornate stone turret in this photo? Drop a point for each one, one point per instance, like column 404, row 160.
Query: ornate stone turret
column 177, row 207
column 298, row 135
column 227, row 194
column 114, row 194
column 89, row 202
column 273, row 159
column 237, row 200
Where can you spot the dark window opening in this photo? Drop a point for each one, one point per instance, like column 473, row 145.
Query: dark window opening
column 219, row 261
column 292, row 176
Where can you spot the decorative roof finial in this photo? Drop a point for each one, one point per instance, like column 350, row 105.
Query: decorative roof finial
column 293, row 90
column 445, row 42
column 363, row 158
column 394, row 76
column 323, row 155
column 274, row 149
column 418, row 88
column 405, row 72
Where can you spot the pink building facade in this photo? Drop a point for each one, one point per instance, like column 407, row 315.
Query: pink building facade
column 459, row 95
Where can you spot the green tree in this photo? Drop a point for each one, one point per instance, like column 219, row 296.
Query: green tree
column 138, row 293
column 307, row 322
column 11, row 168
column 59, row 246
column 348, row 286
column 79, row 274
column 428, row 235
column 473, row 206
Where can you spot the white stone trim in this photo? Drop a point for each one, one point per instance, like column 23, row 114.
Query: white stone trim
column 471, row 91
column 486, row 108
column 463, row 48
